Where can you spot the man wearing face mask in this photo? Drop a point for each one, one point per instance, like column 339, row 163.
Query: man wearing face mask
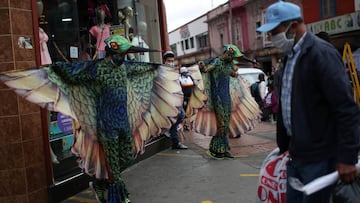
column 169, row 60
column 318, row 120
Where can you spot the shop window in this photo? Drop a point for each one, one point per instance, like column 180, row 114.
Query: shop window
column 327, row 8
column 221, row 39
column 67, row 23
column 258, row 24
column 187, row 44
column 145, row 23
column 173, row 49
column 62, row 29
column 237, row 32
column 61, row 138
column 202, row 41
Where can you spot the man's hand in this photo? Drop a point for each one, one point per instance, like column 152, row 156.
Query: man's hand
column 346, row 172
column 201, row 65
column 234, row 74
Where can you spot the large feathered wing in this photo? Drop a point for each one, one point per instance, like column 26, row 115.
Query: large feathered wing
column 245, row 111
column 44, row 87
column 34, row 85
column 244, row 115
column 198, row 97
column 154, row 100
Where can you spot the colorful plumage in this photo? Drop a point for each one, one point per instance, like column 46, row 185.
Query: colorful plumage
column 244, row 114
column 118, row 106
column 230, row 110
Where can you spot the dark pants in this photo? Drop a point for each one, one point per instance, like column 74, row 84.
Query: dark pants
column 307, row 172
column 173, row 130
column 266, row 113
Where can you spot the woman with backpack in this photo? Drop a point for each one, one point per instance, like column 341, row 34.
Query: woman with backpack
column 270, row 104
column 258, row 90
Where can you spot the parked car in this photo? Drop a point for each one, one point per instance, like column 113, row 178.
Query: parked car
column 250, row 74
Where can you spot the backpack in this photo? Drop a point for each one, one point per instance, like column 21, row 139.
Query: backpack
column 255, row 92
column 254, row 89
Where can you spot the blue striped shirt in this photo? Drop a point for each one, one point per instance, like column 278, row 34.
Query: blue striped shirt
column 287, row 84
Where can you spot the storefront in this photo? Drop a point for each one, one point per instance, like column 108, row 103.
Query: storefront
column 30, row 136
column 68, row 24
column 341, row 29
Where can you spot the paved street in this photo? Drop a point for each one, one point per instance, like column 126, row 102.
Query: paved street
column 190, row 176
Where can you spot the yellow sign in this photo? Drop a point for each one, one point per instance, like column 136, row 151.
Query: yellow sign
column 117, row 30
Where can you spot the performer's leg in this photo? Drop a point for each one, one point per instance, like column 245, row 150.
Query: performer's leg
column 119, row 153
column 219, row 144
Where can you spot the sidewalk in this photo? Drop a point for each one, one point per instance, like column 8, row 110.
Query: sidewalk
column 258, row 140
column 190, row 176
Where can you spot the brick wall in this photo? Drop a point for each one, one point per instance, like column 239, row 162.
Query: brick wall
column 22, row 165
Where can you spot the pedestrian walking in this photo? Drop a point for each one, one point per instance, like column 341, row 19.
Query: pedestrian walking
column 270, row 105
column 258, row 90
column 169, row 60
column 318, row 119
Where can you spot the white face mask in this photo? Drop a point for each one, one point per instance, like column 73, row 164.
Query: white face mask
column 282, row 42
column 171, row 64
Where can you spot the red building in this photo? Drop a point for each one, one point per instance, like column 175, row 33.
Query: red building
column 339, row 18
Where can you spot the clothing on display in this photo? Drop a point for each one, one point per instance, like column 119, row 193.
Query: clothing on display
column 141, row 56
column 100, row 32
column 44, row 51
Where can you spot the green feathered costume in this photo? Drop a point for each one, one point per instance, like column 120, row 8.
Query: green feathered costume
column 117, row 105
column 231, row 110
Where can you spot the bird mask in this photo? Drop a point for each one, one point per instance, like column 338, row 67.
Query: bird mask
column 117, row 44
column 232, row 51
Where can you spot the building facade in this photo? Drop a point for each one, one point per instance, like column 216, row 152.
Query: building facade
column 190, row 42
column 219, row 30
column 30, row 135
column 339, row 19
column 228, row 24
column 265, row 52
column 236, row 22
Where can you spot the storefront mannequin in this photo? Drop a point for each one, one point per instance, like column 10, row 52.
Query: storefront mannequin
column 40, row 6
column 125, row 15
column 137, row 40
column 101, row 31
column 44, row 51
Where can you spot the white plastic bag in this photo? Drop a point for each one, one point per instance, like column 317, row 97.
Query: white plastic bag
column 272, row 178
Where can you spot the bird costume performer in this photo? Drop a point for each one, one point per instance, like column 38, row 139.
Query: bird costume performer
column 230, row 110
column 118, row 106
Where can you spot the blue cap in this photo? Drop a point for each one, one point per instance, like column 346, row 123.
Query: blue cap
column 277, row 13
